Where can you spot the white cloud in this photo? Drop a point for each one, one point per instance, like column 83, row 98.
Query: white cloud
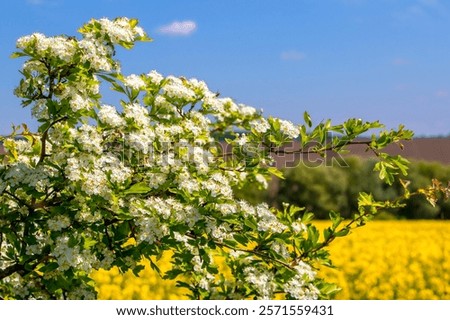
column 179, row 28
column 292, row 55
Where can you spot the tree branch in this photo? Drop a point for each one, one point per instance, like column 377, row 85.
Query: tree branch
column 45, row 136
column 279, row 151
column 259, row 254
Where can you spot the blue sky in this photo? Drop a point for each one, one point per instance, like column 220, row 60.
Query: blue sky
column 386, row 60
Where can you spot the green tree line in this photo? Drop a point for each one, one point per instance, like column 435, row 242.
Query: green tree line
column 334, row 188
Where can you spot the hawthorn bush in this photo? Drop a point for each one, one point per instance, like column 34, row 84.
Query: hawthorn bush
column 99, row 186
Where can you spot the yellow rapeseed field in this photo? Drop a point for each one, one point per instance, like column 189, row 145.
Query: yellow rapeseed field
column 382, row 260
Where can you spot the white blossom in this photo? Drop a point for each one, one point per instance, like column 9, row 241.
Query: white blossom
column 108, row 115
column 114, row 167
column 242, row 139
column 156, row 179
column 23, row 174
column 59, row 47
column 280, row 248
column 246, row 111
column 298, row 227
column 83, row 292
column 289, row 129
column 261, row 180
column 134, row 82
column 88, row 138
column 226, row 208
column 137, row 113
column 155, row 77
column 118, row 30
column 175, row 89
column 78, row 102
column 199, row 86
column 260, row 125
column 141, row 140
column 71, row 256
column 301, row 286
column 59, row 222
column 96, row 53
column 267, row 221
column 261, row 280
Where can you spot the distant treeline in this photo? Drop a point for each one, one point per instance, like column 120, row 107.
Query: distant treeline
column 324, row 188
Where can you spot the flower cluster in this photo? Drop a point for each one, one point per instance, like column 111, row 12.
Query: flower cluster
column 39, row 45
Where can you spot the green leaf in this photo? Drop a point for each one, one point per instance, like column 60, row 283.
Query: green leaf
column 241, row 239
column 327, row 232
column 136, row 270
column 49, row 267
column 277, row 173
column 313, row 234
column 182, row 284
column 17, row 55
column 275, row 123
column 126, row 45
column 307, row 217
column 335, row 218
column 122, row 231
column 118, row 88
column 72, row 242
column 386, row 171
column 133, row 22
column 402, row 164
column 107, row 78
column 307, row 119
column 230, row 243
column 365, row 199
column 343, row 232
column 328, row 290
column 138, row 188
column 154, row 266
column 251, row 223
column 89, row 243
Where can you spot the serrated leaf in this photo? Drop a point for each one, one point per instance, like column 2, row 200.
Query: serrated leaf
column 365, row 199
column 327, row 233
column 136, row 270
column 172, row 274
column 307, row 217
column 335, row 218
column 182, row 284
column 313, row 234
